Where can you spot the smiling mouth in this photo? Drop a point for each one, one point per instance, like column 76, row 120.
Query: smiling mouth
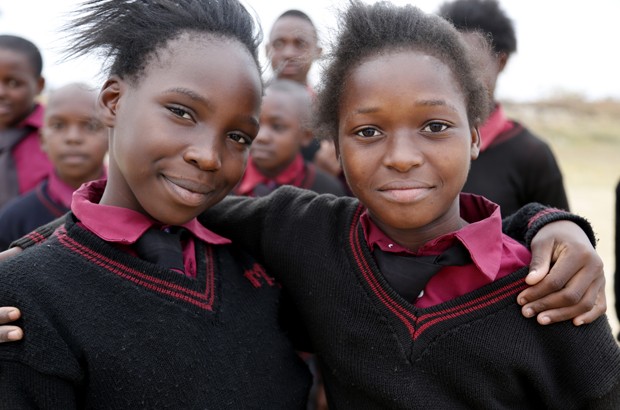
column 405, row 194
column 190, row 193
column 261, row 153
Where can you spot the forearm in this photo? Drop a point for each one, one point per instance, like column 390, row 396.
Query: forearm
column 524, row 224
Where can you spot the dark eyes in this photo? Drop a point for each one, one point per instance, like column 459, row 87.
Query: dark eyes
column 240, row 138
column 435, row 127
column 180, row 112
column 368, row 132
column 237, row 137
column 432, row 127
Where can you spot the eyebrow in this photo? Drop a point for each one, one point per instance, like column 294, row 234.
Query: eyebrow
column 429, row 103
column 200, row 99
column 189, row 93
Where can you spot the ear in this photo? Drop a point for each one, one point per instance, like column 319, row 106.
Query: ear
column 43, row 140
column 108, row 100
column 306, row 137
column 268, row 51
column 475, row 143
column 40, row 85
column 502, row 60
column 318, row 52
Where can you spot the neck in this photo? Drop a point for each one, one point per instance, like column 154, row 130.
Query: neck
column 413, row 238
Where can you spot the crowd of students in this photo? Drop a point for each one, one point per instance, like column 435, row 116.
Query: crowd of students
column 221, row 239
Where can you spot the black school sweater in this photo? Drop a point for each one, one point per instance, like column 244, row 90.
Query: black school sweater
column 106, row 330
column 517, row 169
column 377, row 351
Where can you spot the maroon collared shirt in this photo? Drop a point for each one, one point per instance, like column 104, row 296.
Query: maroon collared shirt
column 494, row 254
column 31, row 163
column 124, row 227
column 293, row 175
column 495, row 125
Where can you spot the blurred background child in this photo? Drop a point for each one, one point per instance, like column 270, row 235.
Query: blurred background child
column 515, row 167
column 22, row 162
column 292, row 49
column 76, row 143
column 275, row 155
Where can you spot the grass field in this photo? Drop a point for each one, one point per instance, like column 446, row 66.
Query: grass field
column 585, row 138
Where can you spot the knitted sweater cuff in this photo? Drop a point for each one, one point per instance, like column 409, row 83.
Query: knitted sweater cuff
column 526, row 222
column 39, row 235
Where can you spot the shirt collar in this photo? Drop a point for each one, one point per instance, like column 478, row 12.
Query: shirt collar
column 294, row 175
column 59, row 191
column 495, row 125
column 34, row 119
column 122, row 225
column 482, row 237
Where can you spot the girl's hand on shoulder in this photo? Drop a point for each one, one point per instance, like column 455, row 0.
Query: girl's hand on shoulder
column 9, row 333
column 567, row 277
column 9, row 314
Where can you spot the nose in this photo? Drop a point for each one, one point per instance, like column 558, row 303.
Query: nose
column 74, row 135
column 263, row 137
column 403, row 152
column 207, row 154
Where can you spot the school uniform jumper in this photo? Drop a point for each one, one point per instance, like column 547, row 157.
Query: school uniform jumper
column 515, row 167
column 31, row 164
column 29, row 211
column 378, row 351
column 107, row 330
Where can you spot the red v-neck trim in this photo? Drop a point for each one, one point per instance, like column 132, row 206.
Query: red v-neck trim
column 203, row 299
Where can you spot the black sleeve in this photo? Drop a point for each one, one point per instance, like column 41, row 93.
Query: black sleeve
column 39, row 235
column 524, row 224
column 617, row 255
column 22, row 387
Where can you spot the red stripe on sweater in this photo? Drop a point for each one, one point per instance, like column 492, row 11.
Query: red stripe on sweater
column 492, row 295
column 392, row 305
column 481, row 303
column 542, row 213
column 149, row 282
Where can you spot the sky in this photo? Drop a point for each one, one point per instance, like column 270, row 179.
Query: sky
column 565, row 47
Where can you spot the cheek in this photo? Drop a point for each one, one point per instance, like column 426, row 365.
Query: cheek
column 233, row 166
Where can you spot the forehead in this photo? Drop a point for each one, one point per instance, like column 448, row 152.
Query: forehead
column 383, row 77
column 71, row 100
column 281, row 102
column 199, row 57
column 16, row 61
column 292, row 27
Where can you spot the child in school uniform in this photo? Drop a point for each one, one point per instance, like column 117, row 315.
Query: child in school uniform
column 292, row 47
column 76, row 142
column 515, row 166
column 359, row 325
column 200, row 325
column 275, row 155
column 23, row 165
column 411, row 303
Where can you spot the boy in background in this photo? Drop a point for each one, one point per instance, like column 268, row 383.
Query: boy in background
column 76, row 142
column 22, row 163
column 292, row 49
column 275, row 154
column 515, row 167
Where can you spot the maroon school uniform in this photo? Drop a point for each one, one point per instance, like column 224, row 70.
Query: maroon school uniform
column 32, row 164
column 124, row 227
column 299, row 173
column 493, row 254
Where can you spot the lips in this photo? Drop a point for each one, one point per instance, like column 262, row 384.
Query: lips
column 405, row 191
column 74, row 158
column 189, row 192
column 261, row 153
